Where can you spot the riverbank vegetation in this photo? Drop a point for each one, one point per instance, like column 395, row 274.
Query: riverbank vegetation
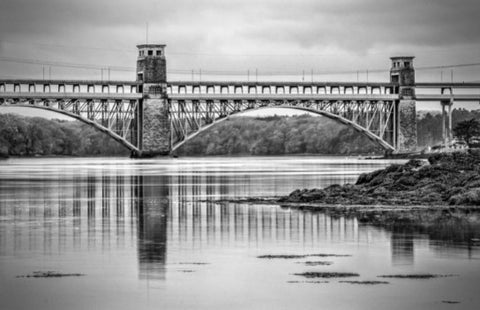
column 447, row 179
column 36, row 136
column 275, row 135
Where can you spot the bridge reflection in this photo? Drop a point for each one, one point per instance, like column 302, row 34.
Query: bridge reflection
column 160, row 216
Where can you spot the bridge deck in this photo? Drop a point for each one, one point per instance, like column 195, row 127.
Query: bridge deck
column 67, row 81
column 277, row 83
column 447, row 97
column 447, row 85
column 352, row 97
column 36, row 89
column 58, row 95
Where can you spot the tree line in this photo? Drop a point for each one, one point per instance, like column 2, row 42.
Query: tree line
column 303, row 134
column 276, row 135
column 429, row 126
column 36, row 136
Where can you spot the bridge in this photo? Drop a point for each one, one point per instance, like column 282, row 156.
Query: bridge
column 152, row 116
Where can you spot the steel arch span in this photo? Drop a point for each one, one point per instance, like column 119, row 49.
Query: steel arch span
column 114, row 118
column 375, row 119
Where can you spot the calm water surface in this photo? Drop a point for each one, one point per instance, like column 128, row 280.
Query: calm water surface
column 145, row 237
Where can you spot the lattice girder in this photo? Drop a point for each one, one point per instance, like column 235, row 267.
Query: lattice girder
column 376, row 119
column 114, row 117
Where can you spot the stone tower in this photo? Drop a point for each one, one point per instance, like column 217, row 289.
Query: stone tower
column 154, row 123
column 402, row 75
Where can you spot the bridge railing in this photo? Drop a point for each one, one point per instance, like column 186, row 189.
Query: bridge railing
column 239, row 89
column 310, row 97
column 68, row 88
column 447, row 91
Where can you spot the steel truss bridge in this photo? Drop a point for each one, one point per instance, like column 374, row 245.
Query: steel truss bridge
column 115, row 107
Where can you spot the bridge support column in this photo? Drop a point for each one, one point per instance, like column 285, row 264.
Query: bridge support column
column 406, row 126
column 402, row 74
column 154, row 123
column 155, row 128
column 447, row 130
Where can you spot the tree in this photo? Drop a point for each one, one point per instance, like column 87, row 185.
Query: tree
column 467, row 130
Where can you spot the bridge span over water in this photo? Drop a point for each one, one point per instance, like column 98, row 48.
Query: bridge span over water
column 153, row 116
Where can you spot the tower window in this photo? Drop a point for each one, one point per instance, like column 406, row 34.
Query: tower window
column 155, row 90
column 159, row 53
column 150, row 53
column 407, row 64
column 395, row 78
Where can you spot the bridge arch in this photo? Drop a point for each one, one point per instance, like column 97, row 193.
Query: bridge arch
column 373, row 137
column 90, row 122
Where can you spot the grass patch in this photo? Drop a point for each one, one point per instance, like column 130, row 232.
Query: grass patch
column 327, row 274
column 50, row 274
column 290, row 256
column 316, row 263
column 193, row 263
column 315, row 282
column 366, row 282
column 416, row 276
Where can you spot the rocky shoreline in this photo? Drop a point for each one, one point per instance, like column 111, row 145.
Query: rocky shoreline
column 446, row 179
column 439, row 197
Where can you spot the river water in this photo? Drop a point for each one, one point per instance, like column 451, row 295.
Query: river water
column 144, row 234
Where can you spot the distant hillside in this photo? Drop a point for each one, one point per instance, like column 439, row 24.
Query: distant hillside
column 35, row 136
column 429, row 126
column 277, row 135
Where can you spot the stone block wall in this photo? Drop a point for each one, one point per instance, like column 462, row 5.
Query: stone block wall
column 154, row 69
column 406, row 126
column 156, row 127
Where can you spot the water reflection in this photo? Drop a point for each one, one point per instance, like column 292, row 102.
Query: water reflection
column 403, row 246
column 98, row 210
column 151, row 200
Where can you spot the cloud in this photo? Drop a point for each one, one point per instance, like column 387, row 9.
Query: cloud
column 362, row 25
column 237, row 30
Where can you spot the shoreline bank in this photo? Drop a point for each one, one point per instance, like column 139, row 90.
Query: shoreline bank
column 447, row 179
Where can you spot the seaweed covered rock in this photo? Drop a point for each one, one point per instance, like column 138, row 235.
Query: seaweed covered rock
column 452, row 178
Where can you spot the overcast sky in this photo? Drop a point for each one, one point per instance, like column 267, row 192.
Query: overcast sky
column 273, row 36
column 281, row 40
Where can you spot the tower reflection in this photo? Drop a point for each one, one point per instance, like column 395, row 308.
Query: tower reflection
column 151, row 204
column 402, row 244
column 155, row 218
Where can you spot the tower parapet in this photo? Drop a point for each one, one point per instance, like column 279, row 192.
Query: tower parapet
column 151, row 63
column 402, row 73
